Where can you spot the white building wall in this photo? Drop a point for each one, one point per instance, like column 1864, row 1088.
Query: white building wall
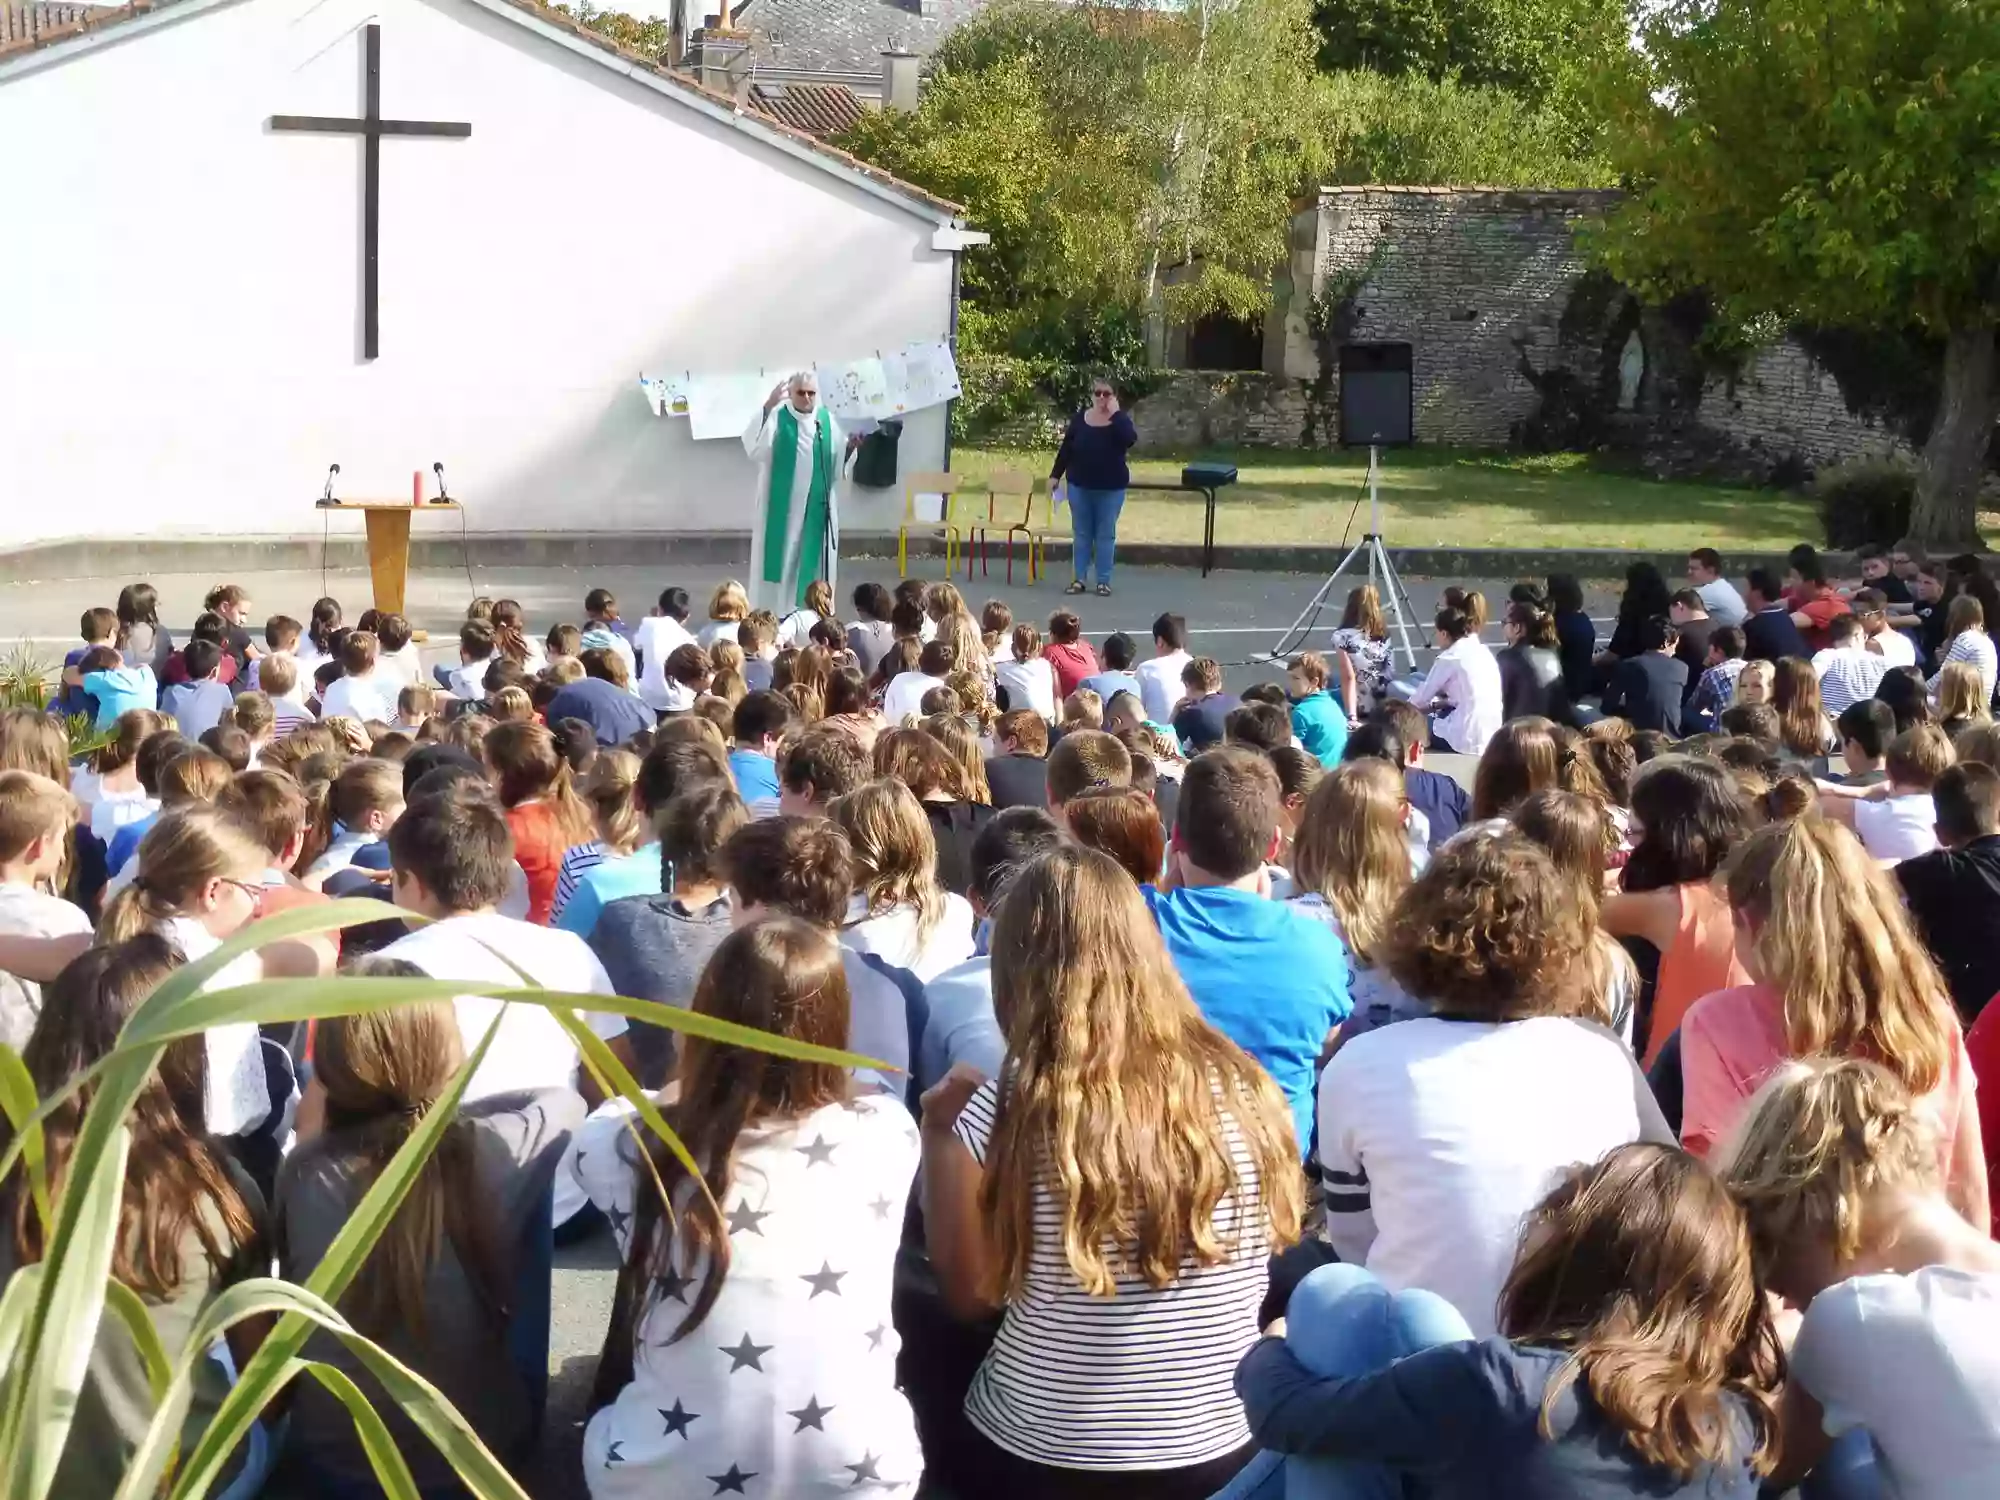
column 180, row 338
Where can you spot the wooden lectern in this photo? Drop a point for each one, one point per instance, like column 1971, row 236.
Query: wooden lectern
column 388, row 524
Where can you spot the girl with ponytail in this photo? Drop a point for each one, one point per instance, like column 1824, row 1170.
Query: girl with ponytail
column 201, row 880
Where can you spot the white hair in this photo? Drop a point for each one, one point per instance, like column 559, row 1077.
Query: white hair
column 799, row 377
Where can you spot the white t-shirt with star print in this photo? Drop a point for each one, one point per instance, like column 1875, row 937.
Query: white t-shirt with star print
column 788, row 1386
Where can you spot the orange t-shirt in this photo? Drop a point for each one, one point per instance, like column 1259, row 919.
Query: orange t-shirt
column 1701, row 961
column 1735, row 1039
column 539, row 846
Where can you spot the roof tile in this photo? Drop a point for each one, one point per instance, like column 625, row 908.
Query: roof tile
column 819, row 109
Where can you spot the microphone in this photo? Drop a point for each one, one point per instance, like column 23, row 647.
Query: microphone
column 442, row 495
column 326, row 495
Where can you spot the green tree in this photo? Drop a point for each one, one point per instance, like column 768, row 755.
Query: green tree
column 1126, row 160
column 1836, row 161
column 651, row 38
column 1545, row 51
column 1417, row 131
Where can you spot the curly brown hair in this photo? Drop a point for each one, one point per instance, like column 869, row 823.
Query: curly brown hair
column 1490, row 932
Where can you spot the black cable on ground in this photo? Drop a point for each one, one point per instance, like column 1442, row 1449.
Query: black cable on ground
column 1304, row 631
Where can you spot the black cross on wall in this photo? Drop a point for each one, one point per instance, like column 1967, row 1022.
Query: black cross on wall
column 371, row 127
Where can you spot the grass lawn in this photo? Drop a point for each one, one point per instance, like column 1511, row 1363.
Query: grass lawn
column 1447, row 497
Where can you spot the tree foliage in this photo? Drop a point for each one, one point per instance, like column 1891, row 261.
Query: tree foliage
column 651, row 38
column 1123, row 157
column 1832, row 160
column 1543, row 51
column 1414, row 130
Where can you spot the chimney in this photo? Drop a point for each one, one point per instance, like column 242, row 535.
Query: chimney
column 899, row 80
column 720, row 61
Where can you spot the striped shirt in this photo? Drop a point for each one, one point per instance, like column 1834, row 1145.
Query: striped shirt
column 1975, row 646
column 1140, row 1380
column 1847, row 677
column 576, row 860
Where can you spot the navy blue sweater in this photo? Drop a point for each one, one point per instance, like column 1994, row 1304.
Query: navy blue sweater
column 1094, row 457
column 1465, row 1419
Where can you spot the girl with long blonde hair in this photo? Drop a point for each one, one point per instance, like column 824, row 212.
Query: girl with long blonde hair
column 622, row 860
column 440, row 1289
column 201, row 879
column 901, row 912
column 1350, row 866
column 1636, row 1356
column 1120, row 1189
column 1836, row 1166
column 959, row 740
column 1837, row 971
column 1967, row 640
column 1962, row 698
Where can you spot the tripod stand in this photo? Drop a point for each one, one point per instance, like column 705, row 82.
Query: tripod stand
column 1396, row 607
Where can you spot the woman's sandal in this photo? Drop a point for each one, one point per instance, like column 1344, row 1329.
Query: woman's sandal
column 1075, row 587
column 1104, row 591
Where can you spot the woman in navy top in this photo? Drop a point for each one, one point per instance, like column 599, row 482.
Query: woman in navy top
column 1092, row 455
column 1637, row 1358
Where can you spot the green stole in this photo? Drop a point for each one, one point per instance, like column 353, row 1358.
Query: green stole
column 778, row 503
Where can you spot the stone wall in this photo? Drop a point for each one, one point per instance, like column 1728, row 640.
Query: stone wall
column 1473, row 281
column 1514, row 340
column 1207, row 408
column 1505, row 320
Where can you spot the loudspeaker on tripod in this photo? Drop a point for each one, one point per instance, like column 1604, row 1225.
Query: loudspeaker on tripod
column 1376, row 404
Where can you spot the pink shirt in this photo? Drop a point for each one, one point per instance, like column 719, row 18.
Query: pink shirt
column 1733, row 1040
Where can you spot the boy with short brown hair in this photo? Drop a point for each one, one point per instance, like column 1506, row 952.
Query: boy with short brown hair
column 35, row 820
column 1086, row 758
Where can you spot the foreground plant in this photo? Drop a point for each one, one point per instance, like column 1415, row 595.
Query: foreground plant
column 50, row 1311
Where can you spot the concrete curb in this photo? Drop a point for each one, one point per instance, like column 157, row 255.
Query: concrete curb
column 126, row 557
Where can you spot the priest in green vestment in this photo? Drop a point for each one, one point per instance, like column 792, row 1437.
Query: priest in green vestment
column 795, row 523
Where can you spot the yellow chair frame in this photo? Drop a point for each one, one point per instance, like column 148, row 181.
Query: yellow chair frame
column 945, row 527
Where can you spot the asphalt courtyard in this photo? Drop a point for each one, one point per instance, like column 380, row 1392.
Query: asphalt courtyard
column 1232, row 616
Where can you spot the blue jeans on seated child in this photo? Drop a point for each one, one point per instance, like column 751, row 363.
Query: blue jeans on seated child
column 1341, row 1321
column 1093, row 523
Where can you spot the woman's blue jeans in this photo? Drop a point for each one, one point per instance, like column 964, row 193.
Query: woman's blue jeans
column 1093, row 523
column 1341, row 1321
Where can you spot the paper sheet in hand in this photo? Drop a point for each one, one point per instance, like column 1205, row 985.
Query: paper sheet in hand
column 855, row 390
column 931, row 375
column 896, row 384
column 721, row 406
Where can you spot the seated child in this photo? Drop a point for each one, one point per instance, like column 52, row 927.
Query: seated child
column 116, row 689
column 35, row 820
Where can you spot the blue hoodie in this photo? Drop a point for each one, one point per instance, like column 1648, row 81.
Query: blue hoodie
column 1321, row 726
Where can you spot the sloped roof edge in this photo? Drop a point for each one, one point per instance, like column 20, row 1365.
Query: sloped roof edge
column 579, row 38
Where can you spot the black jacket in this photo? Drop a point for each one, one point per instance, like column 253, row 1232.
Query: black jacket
column 1018, row 780
column 1647, row 689
column 1955, row 896
column 1532, row 684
